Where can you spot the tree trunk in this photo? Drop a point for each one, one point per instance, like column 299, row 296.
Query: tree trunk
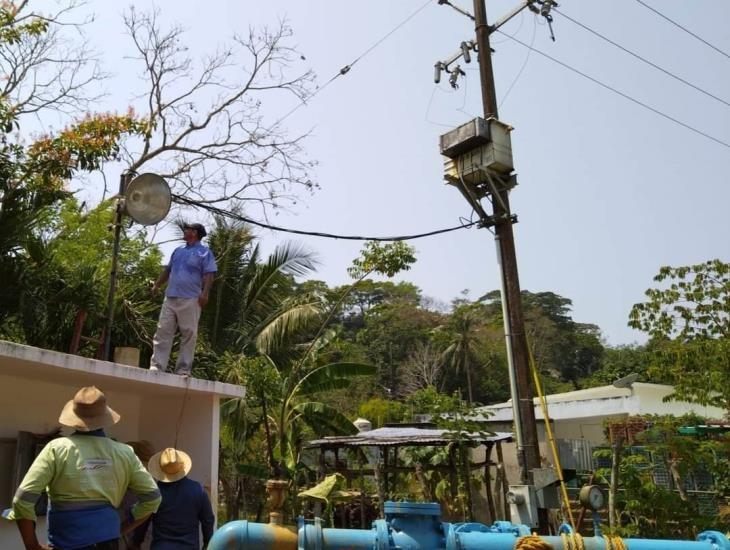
column 425, row 488
column 613, row 520
column 467, row 368
column 677, row 478
column 488, row 484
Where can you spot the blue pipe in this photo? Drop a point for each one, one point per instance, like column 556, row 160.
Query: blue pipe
column 417, row 526
column 252, row 536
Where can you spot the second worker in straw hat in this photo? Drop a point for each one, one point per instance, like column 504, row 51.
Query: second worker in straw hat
column 185, row 512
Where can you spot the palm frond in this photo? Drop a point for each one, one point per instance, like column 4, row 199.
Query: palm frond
column 292, row 318
column 324, row 420
column 331, row 374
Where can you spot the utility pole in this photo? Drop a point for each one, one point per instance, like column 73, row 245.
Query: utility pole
column 514, row 323
column 117, row 228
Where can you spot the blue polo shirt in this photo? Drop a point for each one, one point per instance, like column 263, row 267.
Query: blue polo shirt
column 187, row 266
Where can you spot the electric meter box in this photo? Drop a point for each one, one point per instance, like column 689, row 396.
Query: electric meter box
column 477, row 146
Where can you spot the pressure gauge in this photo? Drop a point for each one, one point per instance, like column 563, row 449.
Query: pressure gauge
column 591, row 496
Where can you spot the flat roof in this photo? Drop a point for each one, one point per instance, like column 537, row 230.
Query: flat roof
column 408, row 436
column 53, row 366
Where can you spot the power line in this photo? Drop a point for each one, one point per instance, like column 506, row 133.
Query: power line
column 705, row 42
column 622, row 94
column 524, row 63
column 346, row 69
column 234, row 215
column 643, row 59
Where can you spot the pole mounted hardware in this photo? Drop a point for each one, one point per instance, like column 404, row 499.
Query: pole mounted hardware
column 146, row 199
column 464, row 52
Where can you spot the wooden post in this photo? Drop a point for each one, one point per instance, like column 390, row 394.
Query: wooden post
column 362, row 490
column 488, row 482
column 386, row 480
column 394, row 489
column 503, row 483
column 379, row 482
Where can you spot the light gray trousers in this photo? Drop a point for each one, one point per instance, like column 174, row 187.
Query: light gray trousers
column 176, row 313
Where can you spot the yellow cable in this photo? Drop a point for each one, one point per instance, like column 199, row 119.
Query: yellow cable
column 572, row 541
column 532, row 542
column 614, row 542
column 551, row 439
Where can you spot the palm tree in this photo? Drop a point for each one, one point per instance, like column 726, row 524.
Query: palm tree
column 461, row 353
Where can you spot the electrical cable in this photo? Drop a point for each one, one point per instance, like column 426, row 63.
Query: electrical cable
column 524, row 63
column 643, row 59
column 622, row 94
column 705, row 42
column 346, row 69
column 229, row 214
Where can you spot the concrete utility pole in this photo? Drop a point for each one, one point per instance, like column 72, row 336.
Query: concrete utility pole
column 514, row 323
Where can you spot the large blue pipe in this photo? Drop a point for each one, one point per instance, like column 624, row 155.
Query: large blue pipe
column 417, row 526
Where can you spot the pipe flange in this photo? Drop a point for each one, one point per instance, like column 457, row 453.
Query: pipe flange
column 382, row 535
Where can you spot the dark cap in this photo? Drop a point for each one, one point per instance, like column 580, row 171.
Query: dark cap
column 198, row 227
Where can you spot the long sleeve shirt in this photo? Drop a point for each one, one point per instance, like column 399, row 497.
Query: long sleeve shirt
column 185, row 512
column 86, row 476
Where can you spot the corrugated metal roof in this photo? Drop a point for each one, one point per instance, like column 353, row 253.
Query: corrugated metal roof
column 391, row 437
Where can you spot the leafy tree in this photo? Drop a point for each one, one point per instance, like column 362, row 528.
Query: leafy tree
column 688, row 320
column 285, row 378
column 369, row 294
column 390, row 334
column 621, row 361
column 564, row 350
column 647, row 510
column 67, row 273
column 381, row 411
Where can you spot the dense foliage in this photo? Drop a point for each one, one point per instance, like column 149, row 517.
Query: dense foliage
column 313, row 356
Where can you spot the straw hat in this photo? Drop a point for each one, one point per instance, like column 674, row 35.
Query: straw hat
column 169, row 465
column 88, row 411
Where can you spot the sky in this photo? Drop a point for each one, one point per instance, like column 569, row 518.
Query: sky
column 608, row 191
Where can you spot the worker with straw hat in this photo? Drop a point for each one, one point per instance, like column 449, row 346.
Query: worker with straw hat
column 185, row 510
column 86, row 475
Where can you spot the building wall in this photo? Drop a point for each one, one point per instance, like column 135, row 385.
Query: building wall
column 34, row 406
column 198, row 432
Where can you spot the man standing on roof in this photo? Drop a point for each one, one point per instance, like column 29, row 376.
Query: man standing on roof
column 190, row 274
column 86, row 475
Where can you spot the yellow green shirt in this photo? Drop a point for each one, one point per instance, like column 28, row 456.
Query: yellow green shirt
column 84, row 470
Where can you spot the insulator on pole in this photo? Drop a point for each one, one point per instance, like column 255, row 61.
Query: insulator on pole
column 437, row 68
column 465, row 47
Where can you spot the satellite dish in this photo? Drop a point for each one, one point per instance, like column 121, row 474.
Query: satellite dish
column 626, row 381
column 147, row 199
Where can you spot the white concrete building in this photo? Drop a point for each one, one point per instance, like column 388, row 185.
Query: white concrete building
column 577, row 418
column 36, row 383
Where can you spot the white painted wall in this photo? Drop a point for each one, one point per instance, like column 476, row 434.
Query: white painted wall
column 36, row 383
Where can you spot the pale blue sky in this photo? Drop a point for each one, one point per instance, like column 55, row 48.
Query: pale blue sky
column 608, row 191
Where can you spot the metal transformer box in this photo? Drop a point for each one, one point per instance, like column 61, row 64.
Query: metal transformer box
column 476, row 147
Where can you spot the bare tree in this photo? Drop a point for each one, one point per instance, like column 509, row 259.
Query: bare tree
column 205, row 123
column 50, row 69
column 423, row 368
